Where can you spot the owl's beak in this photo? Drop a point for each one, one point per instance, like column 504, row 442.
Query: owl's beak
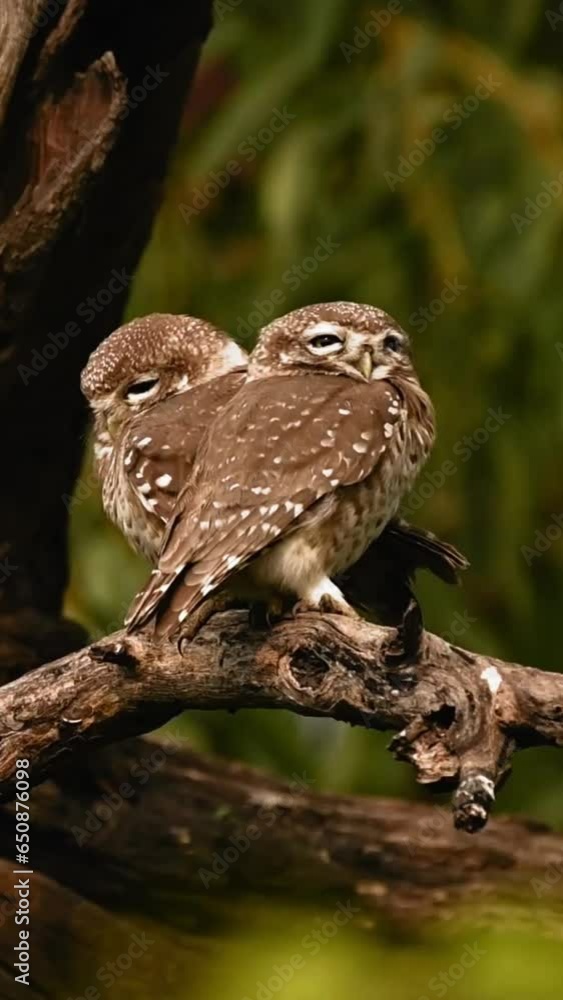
column 365, row 365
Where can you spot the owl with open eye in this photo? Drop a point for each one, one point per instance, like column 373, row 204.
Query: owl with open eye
column 154, row 386
column 302, row 470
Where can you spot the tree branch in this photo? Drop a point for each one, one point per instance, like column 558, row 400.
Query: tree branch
column 459, row 716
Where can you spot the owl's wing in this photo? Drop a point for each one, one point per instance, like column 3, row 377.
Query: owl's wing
column 278, row 447
column 161, row 444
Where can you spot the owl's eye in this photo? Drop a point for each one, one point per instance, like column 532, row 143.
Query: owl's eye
column 326, row 343
column 393, row 343
column 141, row 390
column 325, row 340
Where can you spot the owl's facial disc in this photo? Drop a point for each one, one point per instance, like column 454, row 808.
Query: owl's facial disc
column 378, row 355
column 373, row 355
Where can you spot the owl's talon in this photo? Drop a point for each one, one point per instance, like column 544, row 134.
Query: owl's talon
column 263, row 615
column 406, row 645
column 327, row 605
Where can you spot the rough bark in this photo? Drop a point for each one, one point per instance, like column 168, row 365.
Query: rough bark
column 188, row 848
column 459, row 716
column 79, row 186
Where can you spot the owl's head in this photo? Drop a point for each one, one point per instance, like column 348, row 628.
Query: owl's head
column 343, row 338
column 152, row 358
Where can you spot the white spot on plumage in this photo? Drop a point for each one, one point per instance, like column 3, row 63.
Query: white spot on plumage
column 144, row 442
column 164, row 480
column 327, row 472
column 360, row 447
column 388, row 430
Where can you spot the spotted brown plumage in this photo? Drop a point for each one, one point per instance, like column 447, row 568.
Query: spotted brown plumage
column 301, row 471
column 154, row 386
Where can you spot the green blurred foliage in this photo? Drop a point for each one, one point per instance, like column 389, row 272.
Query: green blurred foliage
column 454, row 219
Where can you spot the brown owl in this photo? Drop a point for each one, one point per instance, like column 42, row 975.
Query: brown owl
column 301, row 471
column 154, row 386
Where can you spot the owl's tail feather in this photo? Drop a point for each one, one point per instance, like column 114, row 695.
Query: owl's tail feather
column 167, row 601
column 419, row 549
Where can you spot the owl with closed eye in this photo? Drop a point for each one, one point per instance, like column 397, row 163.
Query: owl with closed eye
column 154, row 386
column 302, row 470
